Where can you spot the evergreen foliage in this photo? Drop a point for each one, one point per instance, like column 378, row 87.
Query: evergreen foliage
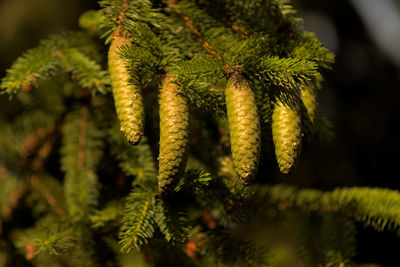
column 244, row 72
column 68, row 50
column 138, row 220
column 81, row 151
column 136, row 161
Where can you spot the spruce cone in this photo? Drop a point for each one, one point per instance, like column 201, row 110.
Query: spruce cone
column 127, row 97
column 244, row 126
column 287, row 136
column 308, row 95
column 174, row 135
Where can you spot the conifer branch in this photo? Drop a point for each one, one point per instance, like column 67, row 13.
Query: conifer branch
column 42, row 62
column 81, row 152
column 12, row 136
column 172, row 221
column 313, row 50
column 286, row 72
column 194, row 181
column 195, row 67
column 271, row 17
column 143, row 63
column 82, row 137
column 31, row 142
column 189, row 24
column 239, row 29
column 138, row 220
column 220, row 42
column 186, row 73
column 255, row 45
column 43, row 153
column 88, row 73
column 327, row 239
column 112, row 213
column 35, row 64
column 289, row 73
column 229, row 250
column 279, row 10
column 121, row 17
column 137, row 161
column 91, row 21
column 372, row 206
column 53, row 239
column 193, row 78
column 11, row 202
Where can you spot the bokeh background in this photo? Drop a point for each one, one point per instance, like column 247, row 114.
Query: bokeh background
column 361, row 95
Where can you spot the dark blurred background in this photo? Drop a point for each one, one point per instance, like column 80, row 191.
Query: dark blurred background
column 361, row 95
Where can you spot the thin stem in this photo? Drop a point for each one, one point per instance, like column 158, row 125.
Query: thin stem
column 120, row 31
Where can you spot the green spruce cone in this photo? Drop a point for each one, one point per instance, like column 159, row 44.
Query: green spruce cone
column 309, row 98
column 244, row 127
column 287, row 135
column 127, row 97
column 174, row 135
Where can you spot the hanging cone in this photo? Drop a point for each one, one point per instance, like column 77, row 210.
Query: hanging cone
column 127, row 96
column 174, row 135
column 287, row 136
column 309, row 98
column 244, row 127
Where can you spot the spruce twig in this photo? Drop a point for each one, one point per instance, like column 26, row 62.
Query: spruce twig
column 48, row 196
column 13, row 199
column 374, row 207
column 31, row 142
column 175, row 7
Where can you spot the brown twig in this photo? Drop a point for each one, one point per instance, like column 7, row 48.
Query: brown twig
column 189, row 24
column 191, row 250
column 240, row 30
column 43, row 153
column 197, row 242
column 13, row 199
column 120, row 31
column 289, row 205
column 3, row 171
column 30, row 251
column 31, row 142
column 50, row 199
column 27, row 87
column 277, row 19
column 208, row 219
column 82, row 137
